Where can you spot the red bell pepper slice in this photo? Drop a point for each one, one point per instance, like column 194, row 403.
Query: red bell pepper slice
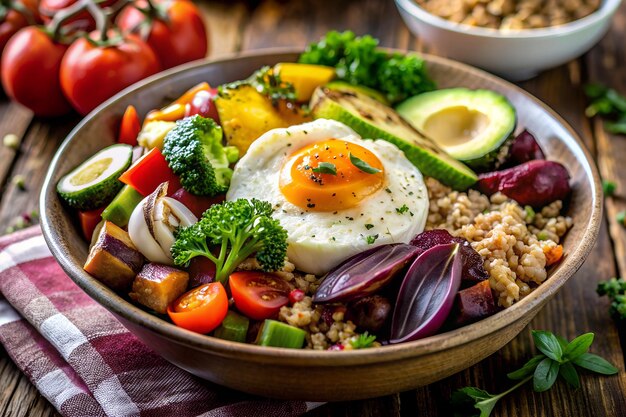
column 89, row 220
column 197, row 204
column 148, row 172
column 130, row 127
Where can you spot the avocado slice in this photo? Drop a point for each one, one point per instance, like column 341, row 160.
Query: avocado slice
column 473, row 126
column 373, row 120
column 342, row 85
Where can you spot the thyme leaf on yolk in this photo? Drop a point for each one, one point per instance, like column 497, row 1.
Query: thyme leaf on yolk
column 362, row 165
column 325, row 168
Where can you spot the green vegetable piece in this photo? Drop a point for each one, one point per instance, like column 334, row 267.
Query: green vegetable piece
column 122, row 206
column 609, row 188
column 278, row 334
column 363, row 341
column 548, row 344
column 375, row 94
column 234, row 327
column 530, row 213
column 621, row 218
column 325, row 168
column 232, row 154
column 234, row 230
column 194, row 151
column 94, row 182
column 362, row 165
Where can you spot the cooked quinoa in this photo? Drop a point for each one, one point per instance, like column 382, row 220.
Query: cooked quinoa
column 513, row 240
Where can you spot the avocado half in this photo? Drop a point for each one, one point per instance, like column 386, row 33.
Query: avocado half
column 373, row 120
column 473, row 126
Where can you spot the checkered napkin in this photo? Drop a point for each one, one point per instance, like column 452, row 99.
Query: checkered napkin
column 85, row 362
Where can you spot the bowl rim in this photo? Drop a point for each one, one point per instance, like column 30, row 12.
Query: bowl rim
column 606, row 10
column 270, row 355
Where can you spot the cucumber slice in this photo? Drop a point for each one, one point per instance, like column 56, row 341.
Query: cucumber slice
column 94, row 182
column 275, row 333
column 122, row 206
column 373, row 120
column 234, row 327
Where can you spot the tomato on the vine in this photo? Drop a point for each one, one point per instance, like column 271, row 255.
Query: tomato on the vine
column 93, row 70
column 175, row 29
column 200, row 310
column 14, row 16
column 258, row 295
column 30, row 71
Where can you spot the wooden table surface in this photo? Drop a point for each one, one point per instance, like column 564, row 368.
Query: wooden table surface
column 237, row 26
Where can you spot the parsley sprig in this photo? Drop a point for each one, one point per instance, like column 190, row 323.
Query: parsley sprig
column 615, row 289
column 363, row 341
column 558, row 357
column 608, row 103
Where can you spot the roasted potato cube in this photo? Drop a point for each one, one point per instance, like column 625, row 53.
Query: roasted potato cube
column 156, row 286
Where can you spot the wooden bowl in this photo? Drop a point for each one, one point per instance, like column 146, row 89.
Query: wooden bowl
column 306, row 374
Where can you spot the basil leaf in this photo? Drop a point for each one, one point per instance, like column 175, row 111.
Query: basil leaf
column 569, row 374
column 548, row 344
column 562, row 341
column 325, row 168
column 362, row 165
column 469, row 398
column 578, row 346
column 527, row 369
column 595, row 363
column 545, row 374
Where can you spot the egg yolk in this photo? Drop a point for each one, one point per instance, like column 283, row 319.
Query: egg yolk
column 323, row 177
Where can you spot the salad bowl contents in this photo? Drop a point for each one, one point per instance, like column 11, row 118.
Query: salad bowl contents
column 307, row 209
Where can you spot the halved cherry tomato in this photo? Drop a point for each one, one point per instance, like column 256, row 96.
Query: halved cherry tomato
column 200, row 310
column 129, row 127
column 197, row 100
column 89, row 220
column 258, row 295
column 148, row 172
column 197, row 204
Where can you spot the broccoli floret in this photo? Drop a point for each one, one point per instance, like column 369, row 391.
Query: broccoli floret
column 229, row 233
column 194, row 151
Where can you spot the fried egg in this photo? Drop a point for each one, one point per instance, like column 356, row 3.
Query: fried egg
column 335, row 193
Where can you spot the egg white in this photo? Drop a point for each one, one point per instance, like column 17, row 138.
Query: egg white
column 319, row 241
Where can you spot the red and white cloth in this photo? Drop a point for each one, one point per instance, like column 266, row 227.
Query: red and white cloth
column 85, row 362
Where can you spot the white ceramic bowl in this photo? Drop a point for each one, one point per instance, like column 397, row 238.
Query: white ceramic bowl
column 516, row 55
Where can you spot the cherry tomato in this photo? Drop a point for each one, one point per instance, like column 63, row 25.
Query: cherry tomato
column 203, row 104
column 197, row 204
column 177, row 32
column 200, row 310
column 258, row 295
column 90, row 73
column 30, row 72
column 296, row 295
column 15, row 19
column 129, row 127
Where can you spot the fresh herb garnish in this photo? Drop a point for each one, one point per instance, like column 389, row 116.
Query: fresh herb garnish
column 362, row 165
column 359, row 61
column 557, row 358
column 368, row 226
column 608, row 103
column 609, row 188
column 371, row 239
column 266, row 82
column 621, row 218
column 402, row 210
column 615, row 289
column 325, row 168
column 363, row 341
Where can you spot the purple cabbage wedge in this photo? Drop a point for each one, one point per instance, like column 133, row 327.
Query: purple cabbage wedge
column 427, row 294
column 365, row 273
column 473, row 269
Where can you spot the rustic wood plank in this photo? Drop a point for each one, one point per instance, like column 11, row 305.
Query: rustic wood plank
column 14, row 119
column 225, row 21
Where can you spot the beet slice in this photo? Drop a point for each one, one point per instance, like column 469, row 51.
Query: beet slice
column 524, row 148
column 475, row 303
column 473, row 270
column 534, row 183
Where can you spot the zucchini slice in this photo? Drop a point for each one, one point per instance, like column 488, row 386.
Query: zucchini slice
column 94, row 182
